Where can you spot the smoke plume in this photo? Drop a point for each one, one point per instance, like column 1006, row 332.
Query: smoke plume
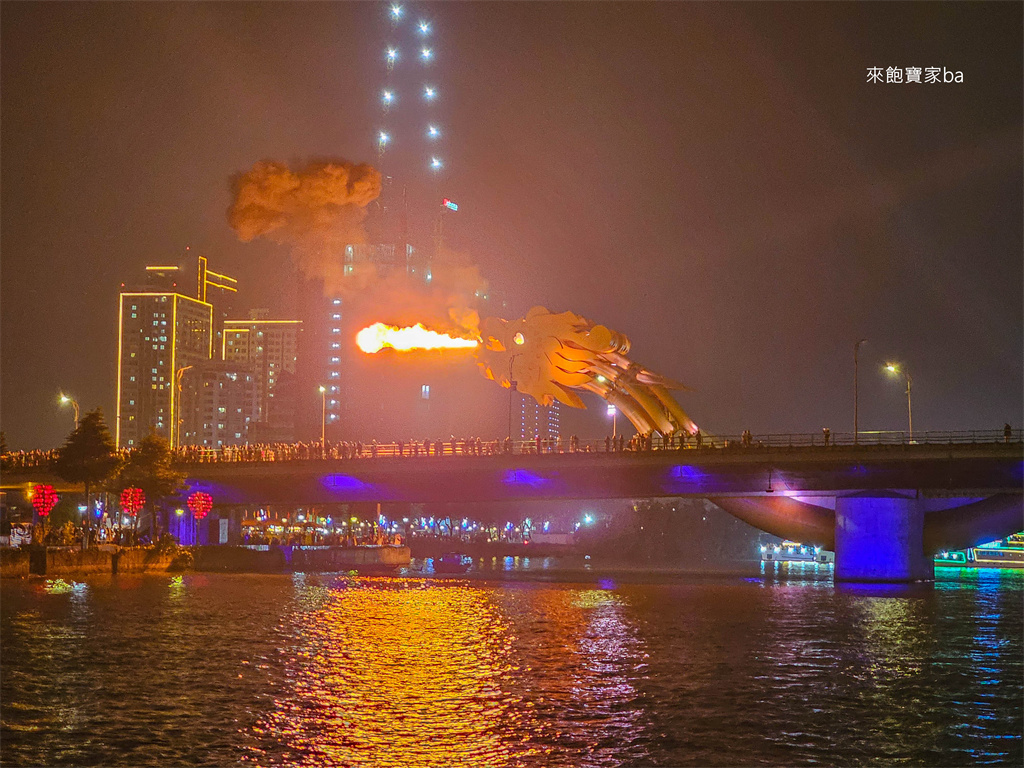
column 320, row 209
column 316, row 210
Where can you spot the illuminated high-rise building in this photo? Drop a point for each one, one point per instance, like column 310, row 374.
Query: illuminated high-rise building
column 536, row 420
column 270, row 348
column 166, row 327
column 393, row 396
column 219, row 404
column 194, row 278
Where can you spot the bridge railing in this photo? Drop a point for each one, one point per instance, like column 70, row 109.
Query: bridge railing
column 13, row 461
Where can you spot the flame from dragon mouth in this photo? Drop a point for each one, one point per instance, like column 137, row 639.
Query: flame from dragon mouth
column 378, row 336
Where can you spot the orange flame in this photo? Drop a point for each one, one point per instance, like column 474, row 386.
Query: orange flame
column 376, row 337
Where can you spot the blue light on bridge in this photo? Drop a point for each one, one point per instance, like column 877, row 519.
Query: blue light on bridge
column 688, row 473
column 344, row 483
column 524, row 477
column 221, row 494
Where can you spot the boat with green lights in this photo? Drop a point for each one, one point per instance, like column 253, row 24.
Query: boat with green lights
column 1002, row 553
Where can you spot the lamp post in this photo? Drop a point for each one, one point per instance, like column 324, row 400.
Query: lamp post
column 323, row 421
column 511, row 389
column 856, row 426
column 613, row 412
column 176, row 427
column 894, row 368
column 65, row 399
column 518, row 340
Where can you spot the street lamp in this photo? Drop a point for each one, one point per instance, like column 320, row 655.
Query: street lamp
column 512, row 384
column 65, row 399
column 176, row 426
column 895, row 369
column 613, row 412
column 323, row 421
column 856, row 430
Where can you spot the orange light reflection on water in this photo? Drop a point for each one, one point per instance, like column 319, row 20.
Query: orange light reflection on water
column 390, row 673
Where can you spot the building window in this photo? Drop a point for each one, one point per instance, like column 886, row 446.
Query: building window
column 425, row 391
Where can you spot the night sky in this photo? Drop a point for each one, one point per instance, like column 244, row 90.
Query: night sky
column 719, row 182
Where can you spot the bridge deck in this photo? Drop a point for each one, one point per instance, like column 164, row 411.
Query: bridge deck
column 935, row 470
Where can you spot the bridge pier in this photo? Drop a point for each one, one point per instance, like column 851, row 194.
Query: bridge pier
column 880, row 538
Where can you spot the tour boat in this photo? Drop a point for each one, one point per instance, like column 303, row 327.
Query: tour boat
column 795, row 552
column 452, row 562
column 1004, row 553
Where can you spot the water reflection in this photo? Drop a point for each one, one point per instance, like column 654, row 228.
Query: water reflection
column 211, row 669
column 395, row 673
column 587, row 650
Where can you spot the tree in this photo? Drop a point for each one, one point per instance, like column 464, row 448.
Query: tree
column 149, row 468
column 88, row 456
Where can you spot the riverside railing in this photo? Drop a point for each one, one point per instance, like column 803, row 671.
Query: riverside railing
column 474, row 447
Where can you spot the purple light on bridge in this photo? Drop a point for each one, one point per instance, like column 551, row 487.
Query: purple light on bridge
column 688, row 473
column 344, row 483
column 222, row 494
column 524, row 477
column 684, row 478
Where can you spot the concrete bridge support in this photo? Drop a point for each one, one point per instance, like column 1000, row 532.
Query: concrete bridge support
column 879, row 537
column 883, row 535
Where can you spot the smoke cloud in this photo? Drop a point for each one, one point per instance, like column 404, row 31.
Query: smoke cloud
column 320, row 209
column 316, row 210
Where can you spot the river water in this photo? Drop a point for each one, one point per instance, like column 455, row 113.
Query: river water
column 333, row 670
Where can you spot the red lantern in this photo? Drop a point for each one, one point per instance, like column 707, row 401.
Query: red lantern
column 132, row 500
column 200, row 503
column 44, row 499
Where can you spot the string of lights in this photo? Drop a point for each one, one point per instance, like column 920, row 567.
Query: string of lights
column 409, row 57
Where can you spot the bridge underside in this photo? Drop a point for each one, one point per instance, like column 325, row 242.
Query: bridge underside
column 882, row 535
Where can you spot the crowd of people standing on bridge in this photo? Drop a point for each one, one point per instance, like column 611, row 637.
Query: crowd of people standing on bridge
column 469, row 446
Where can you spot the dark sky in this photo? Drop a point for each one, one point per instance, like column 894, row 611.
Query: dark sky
column 718, row 181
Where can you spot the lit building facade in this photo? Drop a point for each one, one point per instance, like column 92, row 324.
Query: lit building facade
column 167, row 325
column 536, row 420
column 160, row 336
column 270, row 348
column 220, row 403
